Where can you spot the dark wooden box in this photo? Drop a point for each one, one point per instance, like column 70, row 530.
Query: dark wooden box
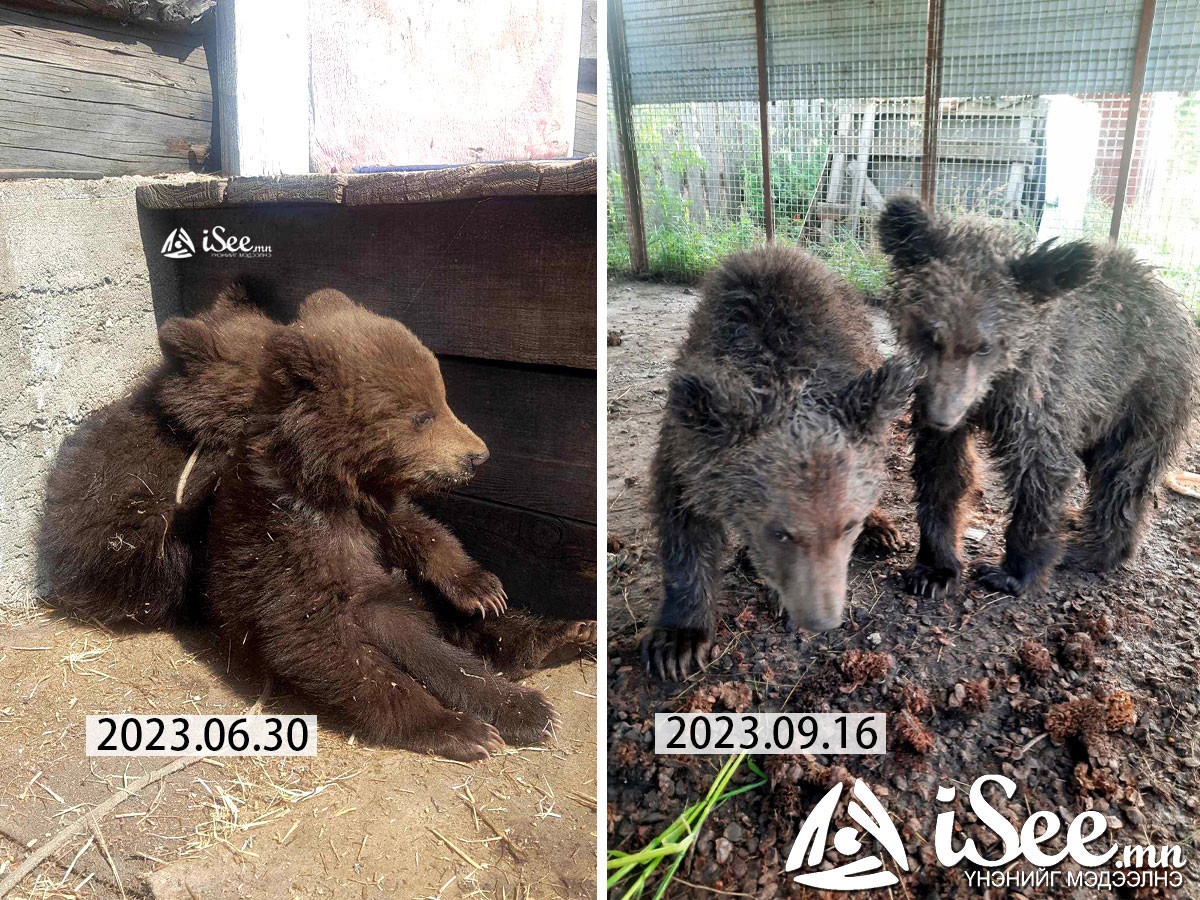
column 494, row 268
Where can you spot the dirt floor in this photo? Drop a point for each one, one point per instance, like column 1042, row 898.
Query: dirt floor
column 969, row 684
column 354, row 821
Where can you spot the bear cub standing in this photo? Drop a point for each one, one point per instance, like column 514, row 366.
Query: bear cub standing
column 774, row 431
column 1061, row 354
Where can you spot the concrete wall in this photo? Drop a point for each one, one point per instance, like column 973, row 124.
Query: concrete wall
column 77, row 326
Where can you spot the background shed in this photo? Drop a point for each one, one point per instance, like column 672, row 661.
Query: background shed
column 1019, row 109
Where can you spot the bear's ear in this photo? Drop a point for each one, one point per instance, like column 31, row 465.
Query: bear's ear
column 324, row 302
column 723, row 407
column 869, row 403
column 187, row 341
column 297, row 361
column 908, row 233
column 1053, row 269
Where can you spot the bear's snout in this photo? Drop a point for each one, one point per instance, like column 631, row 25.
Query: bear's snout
column 473, row 461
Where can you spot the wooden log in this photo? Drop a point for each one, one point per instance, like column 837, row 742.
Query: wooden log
column 285, row 189
column 540, row 427
column 506, row 278
column 174, row 15
column 86, row 94
column 515, row 179
column 200, row 194
column 547, row 563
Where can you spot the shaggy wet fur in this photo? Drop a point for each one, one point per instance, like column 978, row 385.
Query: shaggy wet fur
column 1060, row 354
column 119, row 540
column 776, row 416
column 321, row 558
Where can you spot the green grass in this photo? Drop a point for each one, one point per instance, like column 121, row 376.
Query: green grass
column 671, row 846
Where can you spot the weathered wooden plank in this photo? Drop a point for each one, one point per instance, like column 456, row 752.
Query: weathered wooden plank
column 285, row 189
column 177, row 15
column 540, row 427
column 83, row 94
column 547, row 564
column 515, row 179
column 263, row 84
column 569, row 177
column 505, row 278
column 199, row 194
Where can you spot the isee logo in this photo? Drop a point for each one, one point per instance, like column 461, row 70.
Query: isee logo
column 861, row 874
column 178, row 245
column 216, row 241
column 1132, row 866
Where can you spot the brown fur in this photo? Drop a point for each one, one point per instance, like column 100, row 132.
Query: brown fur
column 320, row 555
column 1061, row 354
column 114, row 544
column 774, row 431
column 313, row 442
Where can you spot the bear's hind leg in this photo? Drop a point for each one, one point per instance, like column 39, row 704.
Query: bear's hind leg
column 384, row 703
column 455, row 676
column 1123, row 470
column 518, row 643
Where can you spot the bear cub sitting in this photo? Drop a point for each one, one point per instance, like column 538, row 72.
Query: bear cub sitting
column 314, row 444
column 774, row 433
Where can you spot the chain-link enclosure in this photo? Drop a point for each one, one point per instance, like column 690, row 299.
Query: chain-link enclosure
column 1031, row 100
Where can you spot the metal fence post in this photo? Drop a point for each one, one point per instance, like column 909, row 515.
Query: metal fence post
column 764, row 118
column 935, row 32
column 618, row 61
column 1131, row 117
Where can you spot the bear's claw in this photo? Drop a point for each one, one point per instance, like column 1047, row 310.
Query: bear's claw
column 879, row 535
column 998, row 578
column 931, row 582
column 670, row 653
column 527, row 718
column 479, row 593
column 470, row 740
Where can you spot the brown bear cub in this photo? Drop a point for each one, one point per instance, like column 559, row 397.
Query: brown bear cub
column 267, row 474
column 774, row 433
column 123, row 524
column 319, row 555
column 1060, row 354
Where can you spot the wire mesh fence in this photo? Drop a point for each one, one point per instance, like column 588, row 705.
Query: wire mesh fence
column 1031, row 108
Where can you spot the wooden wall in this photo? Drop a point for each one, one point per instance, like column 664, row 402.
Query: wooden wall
column 503, row 289
column 92, row 96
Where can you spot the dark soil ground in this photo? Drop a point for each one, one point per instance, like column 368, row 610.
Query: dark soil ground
column 968, row 684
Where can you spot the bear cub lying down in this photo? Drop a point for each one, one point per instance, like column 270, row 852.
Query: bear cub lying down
column 310, row 443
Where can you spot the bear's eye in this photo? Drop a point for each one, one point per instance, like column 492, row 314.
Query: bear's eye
column 422, row 420
column 850, row 526
column 784, row 536
column 984, row 348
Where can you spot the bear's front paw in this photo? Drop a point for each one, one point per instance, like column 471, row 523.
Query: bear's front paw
column 999, row 579
column 479, row 592
column 670, row 653
column 934, row 582
column 879, row 536
column 466, row 739
column 526, row 718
